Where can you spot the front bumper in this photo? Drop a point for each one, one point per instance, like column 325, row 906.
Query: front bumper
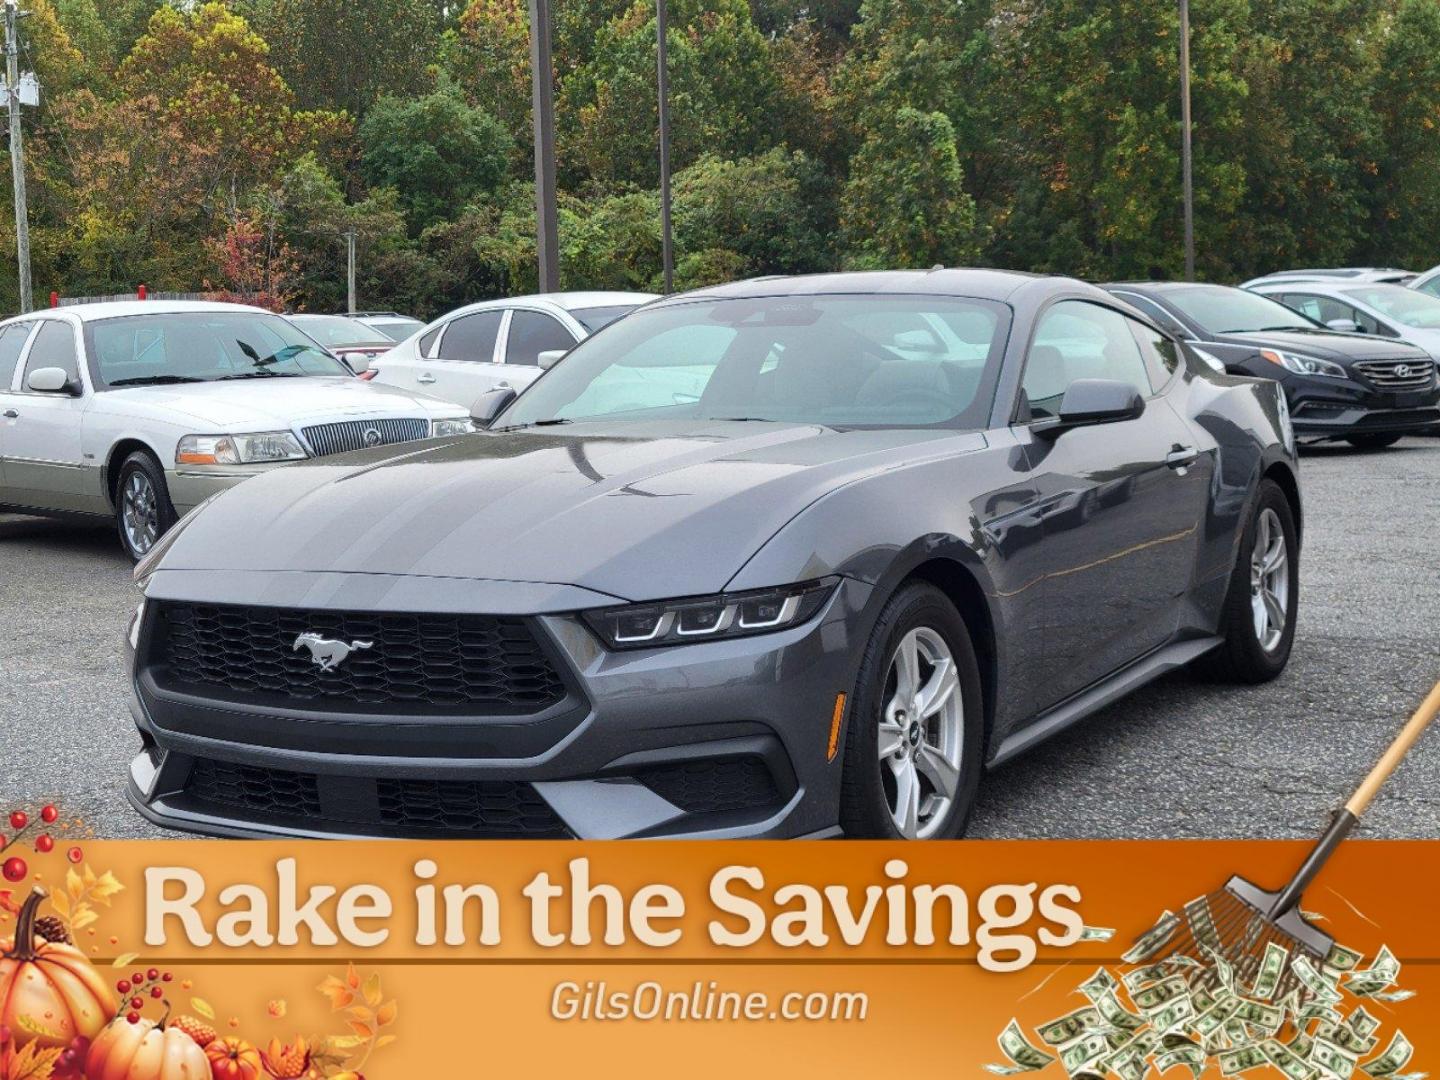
column 1337, row 408
column 725, row 739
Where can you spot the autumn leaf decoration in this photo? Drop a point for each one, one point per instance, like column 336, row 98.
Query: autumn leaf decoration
column 30, row 1062
column 367, row 1015
column 83, row 891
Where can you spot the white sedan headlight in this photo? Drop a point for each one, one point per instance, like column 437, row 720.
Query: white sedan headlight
column 238, row 449
column 458, row 426
column 1304, row 365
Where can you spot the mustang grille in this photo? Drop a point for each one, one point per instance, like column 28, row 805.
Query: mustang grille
column 327, row 439
column 1398, row 374
column 452, row 663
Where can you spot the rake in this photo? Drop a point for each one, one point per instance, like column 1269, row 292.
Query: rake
column 1238, row 922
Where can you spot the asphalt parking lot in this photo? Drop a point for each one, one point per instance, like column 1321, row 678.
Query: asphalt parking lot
column 1183, row 758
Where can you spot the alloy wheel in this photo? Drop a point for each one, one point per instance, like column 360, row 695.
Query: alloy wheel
column 1269, row 580
column 921, row 738
column 140, row 513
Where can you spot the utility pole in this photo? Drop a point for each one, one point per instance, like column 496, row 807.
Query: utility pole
column 1186, row 161
column 350, row 269
column 547, row 236
column 662, row 61
column 17, row 149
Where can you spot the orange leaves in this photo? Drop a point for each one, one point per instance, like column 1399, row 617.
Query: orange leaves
column 367, row 1014
column 30, row 1062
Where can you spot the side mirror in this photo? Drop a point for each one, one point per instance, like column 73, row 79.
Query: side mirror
column 1345, row 326
column 1089, row 402
column 919, row 341
column 51, row 380
column 489, row 405
column 549, row 358
column 356, row 362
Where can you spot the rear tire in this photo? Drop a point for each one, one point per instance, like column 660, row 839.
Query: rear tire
column 1264, row 591
column 143, row 511
column 1372, row 442
column 921, row 781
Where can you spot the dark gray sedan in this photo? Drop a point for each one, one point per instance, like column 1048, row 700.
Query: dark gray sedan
column 791, row 557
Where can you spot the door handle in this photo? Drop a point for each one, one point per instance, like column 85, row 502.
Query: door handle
column 11, row 414
column 426, row 378
column 1181, row 457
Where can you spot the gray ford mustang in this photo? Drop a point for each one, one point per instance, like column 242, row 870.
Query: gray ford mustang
column 789, row 557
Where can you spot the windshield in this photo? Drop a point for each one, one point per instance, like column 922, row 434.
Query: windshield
column 395, row 329
column 593, row 318
column 338, row 330
column 1221, row 310
column 201, row 346
column 842, row 361
column 1406, row 306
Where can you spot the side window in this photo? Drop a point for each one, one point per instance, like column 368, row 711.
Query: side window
column 427, row 341
column 1079, row 340
column 472, row 338
column 1162, row 356
column 12, row 343
column 532, row 333
column 54, row 347
column 1154, row 310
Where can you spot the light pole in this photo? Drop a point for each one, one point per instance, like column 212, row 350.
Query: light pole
column 547, row 239
column 1186, row 162
column 662, row 53
column 17, row 149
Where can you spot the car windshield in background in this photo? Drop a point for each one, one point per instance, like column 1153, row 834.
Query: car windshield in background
column 1222, row 310
column 1406, row 306
column 339, row 331
column 593, row 318
column 201, row 346
column 841, row 361
column 394, row 329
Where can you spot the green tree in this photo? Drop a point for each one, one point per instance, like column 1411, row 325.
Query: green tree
column 436, row 151
column 904, row 204
column 611, row 243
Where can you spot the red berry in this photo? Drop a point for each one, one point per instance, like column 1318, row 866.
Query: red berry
column 138, row 978
column 19, row 819
column 157, row 993
column 166, row 977
column 49, row 814
column 44, row 843
column 133, row 1017
column 137, row 1003
column 15, row 869
column 152, row 974
column 75, row 854
column 123, row 986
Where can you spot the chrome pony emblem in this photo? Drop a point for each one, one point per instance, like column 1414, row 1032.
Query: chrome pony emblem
column 327, row 653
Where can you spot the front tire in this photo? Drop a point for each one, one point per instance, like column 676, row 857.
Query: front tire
column 915, row 736
column 1258, row 621
column 1372, row 442
column 143, row 511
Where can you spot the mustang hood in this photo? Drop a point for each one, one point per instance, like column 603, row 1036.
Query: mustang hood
column 633, row 511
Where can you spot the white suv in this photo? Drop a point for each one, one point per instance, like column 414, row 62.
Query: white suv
column 498, row 344
column 142, row 410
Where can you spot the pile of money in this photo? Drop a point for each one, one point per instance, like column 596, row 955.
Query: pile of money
column 1198, row 1012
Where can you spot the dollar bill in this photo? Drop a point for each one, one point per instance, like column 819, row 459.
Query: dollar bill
column 1342, row 959
column 1023, row 1057
column 1162, row 993
column 1070, row 1027
column 1379, row 976
column 1102, row 982
column 1319, row 987
column 1202, row 923
column 1392, row 996
column 1334, row 1060
column 1223, row 971
column 1346, row 1038
column 1116, row 1015
column 1241, row 1059
column 1272, row 966
column 1302, row 1044
column 1267, row 1017
column 1287, row 1061
column 1154, row 939
column 1361, row 1022
column 1097, row 933
column 1141, row 976
column 1396, row 1056
column 1173, row 1015
column 1079, row 1055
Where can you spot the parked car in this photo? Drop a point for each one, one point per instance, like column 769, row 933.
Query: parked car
column 1386, row 274
column 140, row 411
column 867, row 560
column 392, row 324
column 351, row 340
column 1380, row 310
column 1367, row 390
column 1428, row 282
column 499, row 343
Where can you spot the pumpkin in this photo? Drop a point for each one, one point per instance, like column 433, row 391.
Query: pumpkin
column 233, row 1059
column 145, row 1051
column 49, row 993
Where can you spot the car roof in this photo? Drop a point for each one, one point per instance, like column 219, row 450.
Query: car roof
column 112, row 309
column 1163, row 286
column 978, row 283
column 1374, row 274
column 1325, row 288
column 565, row 301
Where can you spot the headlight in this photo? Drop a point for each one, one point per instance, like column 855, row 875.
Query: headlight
column 1305, row 365
column 1210, row 359
column 706, row 618
column 451, row 427
column 238, row 449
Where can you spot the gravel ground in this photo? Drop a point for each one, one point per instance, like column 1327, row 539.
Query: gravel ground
column 1182, row 758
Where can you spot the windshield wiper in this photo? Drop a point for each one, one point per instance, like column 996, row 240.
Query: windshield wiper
column 155, row 380
column 263, row 373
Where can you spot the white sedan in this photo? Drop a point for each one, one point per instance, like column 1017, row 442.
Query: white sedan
column 141, row 410
column 498, row 344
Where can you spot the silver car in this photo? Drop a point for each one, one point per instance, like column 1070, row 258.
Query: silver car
column 1385, row 310
column 142, row 410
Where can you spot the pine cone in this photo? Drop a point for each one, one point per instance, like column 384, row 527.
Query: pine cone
column 52, row 929
column 201, row 1032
